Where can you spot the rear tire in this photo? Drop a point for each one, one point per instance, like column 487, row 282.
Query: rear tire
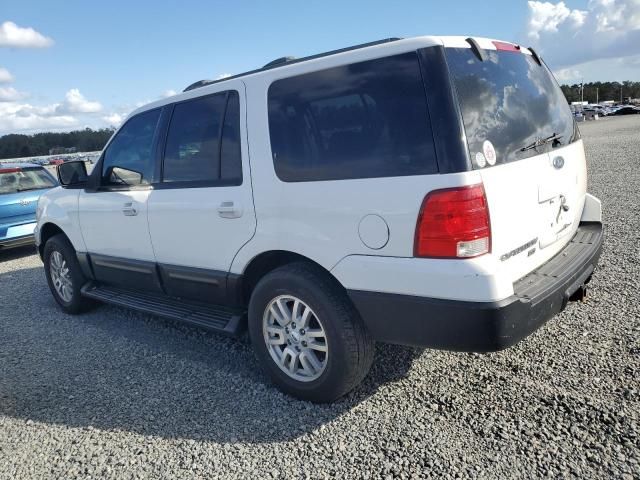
column 64, row 275
column 327, row 352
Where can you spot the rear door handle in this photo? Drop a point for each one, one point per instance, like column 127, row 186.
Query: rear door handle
column 230, row 210
column 129, row 210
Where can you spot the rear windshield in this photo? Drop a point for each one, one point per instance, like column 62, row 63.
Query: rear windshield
column 22, row 180
column 508, row 103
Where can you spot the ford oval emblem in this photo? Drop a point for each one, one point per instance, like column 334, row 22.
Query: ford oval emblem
column 558, row 163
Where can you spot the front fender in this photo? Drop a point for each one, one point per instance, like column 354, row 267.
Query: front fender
column 59, row 207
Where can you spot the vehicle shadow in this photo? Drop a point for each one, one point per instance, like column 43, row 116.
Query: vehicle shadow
column 7, row 254
column 113, row 369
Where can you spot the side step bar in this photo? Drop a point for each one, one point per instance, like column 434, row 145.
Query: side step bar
column 219, row 319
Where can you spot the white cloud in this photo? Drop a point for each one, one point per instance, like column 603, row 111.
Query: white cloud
column 5, row 76
column 223, row 75
column 11, row 35
column 72, row 112
column 607, row 29
column 113, row 120
column 16, row 117
column 76, row 103
column 547, row 17
column 10, row 94
column 168, row 93
column 75, row 111
column 568, row 75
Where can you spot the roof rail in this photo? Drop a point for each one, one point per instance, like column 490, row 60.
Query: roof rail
column 282, row 61
column 279, row 61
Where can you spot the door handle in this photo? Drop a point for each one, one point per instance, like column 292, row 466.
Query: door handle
column 230, row 210
column 129, row 210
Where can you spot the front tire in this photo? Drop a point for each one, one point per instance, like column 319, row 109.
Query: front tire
column 307, row 334
column 64, row 275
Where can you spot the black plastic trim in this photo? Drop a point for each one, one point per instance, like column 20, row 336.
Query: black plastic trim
column 447, row 126
column 85, row 265
column 217, row 318
column 535, row 56
column 477, row 49
column 124, row 272
column 484, row 326
column 199, row 284
column 196, row 184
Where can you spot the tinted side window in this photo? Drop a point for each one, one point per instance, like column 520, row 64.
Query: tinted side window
column 194, row 151
column 363, row 120
column 132, row 149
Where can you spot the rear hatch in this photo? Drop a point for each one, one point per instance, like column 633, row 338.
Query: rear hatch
column 524, row 142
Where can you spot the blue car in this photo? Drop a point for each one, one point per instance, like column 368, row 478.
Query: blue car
column 21, row 185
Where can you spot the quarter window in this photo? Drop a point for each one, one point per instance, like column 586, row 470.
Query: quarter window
column 132, row 151
column 203, row 143
column 362, row 120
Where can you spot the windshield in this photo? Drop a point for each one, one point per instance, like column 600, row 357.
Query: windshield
column 512, row 108
column 17, row 180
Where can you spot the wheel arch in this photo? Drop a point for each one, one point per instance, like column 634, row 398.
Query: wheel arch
column 47, row 231
column 265, row 262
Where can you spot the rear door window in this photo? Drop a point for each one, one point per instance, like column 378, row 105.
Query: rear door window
column 511, row 102
column 362, row 120
column 203, row 142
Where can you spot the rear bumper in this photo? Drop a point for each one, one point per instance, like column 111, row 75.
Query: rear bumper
column 485, row 326
column 17, row 235
column 16, row 241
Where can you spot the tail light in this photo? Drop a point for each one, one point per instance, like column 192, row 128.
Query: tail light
column 453, row 223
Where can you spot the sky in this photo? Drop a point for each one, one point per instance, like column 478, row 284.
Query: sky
column 75, row 64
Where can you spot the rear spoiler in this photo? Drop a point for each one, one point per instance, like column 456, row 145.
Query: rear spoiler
column 482, row 54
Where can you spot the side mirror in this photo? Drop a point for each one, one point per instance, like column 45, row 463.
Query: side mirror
column 72, row 174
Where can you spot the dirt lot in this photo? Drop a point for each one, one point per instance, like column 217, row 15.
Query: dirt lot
column 116, row 394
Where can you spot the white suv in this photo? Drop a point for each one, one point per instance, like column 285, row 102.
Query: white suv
column 428, row 191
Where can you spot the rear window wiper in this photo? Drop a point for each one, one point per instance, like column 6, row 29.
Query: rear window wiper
column 542, row 141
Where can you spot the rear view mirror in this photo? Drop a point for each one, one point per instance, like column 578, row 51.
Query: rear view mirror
column 72, row 174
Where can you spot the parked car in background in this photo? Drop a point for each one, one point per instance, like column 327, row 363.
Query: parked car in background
column 56, row 161
column 21, row 185
column 628, row 110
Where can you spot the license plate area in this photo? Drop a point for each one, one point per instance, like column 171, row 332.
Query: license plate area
column 557, row 219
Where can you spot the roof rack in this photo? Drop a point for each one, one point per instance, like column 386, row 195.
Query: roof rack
column 282, row 61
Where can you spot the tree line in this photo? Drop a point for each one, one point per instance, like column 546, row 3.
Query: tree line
column 602, row 91
column 87, row 140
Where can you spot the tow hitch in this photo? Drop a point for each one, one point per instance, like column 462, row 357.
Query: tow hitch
column 581, row 293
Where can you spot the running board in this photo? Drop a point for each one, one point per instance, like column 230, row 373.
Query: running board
column 219, row 319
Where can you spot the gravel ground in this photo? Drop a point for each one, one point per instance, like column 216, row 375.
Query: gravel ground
column 116, row 394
